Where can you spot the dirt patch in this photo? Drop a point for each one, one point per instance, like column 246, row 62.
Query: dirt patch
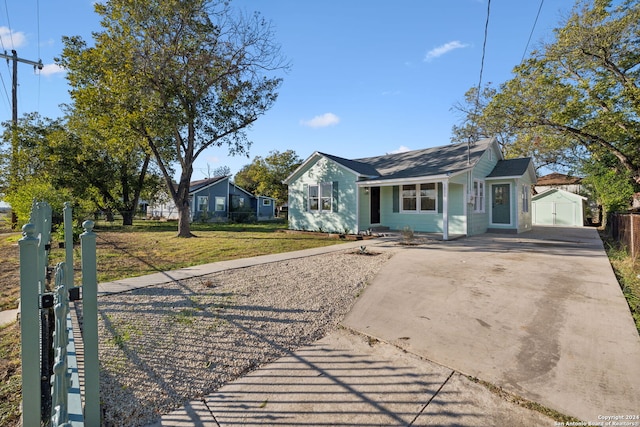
column 9, row 271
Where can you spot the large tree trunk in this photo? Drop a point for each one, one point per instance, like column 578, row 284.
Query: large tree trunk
column 184, row 221
column 183, row 205
column 127, row 217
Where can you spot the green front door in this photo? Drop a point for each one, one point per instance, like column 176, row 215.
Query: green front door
column 500, row 204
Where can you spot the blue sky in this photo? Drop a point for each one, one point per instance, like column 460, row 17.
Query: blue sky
column 367, row 77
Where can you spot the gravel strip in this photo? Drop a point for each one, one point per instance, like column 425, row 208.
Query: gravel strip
column 164, row 345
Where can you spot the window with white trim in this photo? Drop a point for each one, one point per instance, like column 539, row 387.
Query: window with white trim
column 478, row 195
column 419, row 197
column 314, row 197
column 203, row 203
column 320, row 197
column 220, row 204
column 326, row 196
column 266, row 202
column 525, row 198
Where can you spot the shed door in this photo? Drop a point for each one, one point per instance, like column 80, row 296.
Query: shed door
column 555, row 213
column 500, row 204
column 543, row 213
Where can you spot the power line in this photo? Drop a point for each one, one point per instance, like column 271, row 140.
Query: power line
column 532, row 29
column 477, row 106
column 484, row 49
column 6, row 8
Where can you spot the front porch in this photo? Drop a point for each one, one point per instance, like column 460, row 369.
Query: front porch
column 436, row 208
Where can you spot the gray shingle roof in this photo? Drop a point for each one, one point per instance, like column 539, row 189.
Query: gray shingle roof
column 432, row 161
column 197, row 185
column 511, row 167
column 354, row 165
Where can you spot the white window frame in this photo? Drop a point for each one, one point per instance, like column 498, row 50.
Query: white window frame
column 526, row 192
column 313, row 202
column 415, row 193
column 203, row 203
column 220, row 204
column 479, row 194
column 323, row 200
column 266, row 202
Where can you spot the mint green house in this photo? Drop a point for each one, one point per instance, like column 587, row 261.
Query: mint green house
column 456, row 189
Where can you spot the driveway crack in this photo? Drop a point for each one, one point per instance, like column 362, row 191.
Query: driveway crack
column 432, row 397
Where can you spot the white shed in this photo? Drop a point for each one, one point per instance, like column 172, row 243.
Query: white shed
column 559, row 207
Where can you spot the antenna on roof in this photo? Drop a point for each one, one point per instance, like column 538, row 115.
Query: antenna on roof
column 469, row 149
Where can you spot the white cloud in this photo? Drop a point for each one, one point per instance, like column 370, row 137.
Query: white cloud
column 445, row 48
column 401, row 149
column 12, row 39
column 51, row 69
column 322, row 121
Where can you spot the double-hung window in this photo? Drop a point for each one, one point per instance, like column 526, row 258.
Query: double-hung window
column 525, row 198
column 320, row 197
column 203, row 203
column 419, row 197
column 428, row 197
column 221, row 203
column 478, row 196
column 314, row 197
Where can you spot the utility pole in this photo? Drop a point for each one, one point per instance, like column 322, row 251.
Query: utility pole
column 14, row 85
column 14, row 107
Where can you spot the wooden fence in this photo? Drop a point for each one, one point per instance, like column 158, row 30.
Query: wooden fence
column 625, row 228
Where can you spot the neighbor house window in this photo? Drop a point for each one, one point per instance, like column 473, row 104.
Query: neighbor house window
column 266, row 202
column 220, row 204
column 419, row 198
column 525, row 198
column 478, row 196
column 203, row 203
column 237, row 202
column 320, row 197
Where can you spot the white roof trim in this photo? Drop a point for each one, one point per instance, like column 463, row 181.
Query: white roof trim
column 397, row 181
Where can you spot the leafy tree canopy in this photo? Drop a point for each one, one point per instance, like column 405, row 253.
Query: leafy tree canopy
column 184, row 75
column 576, row 100
column 264, row 176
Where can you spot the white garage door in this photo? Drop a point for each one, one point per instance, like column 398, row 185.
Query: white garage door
column 554, row 213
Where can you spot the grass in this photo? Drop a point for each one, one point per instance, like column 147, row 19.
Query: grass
column 10, row 375
column 627, row 270
column 151, row 246
column 145, row 249
column 524, row 403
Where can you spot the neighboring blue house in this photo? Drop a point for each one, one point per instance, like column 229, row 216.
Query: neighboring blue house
column 456, row 189
column 218, row 199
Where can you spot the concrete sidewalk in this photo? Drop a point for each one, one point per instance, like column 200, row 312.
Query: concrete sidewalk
column 125, row 285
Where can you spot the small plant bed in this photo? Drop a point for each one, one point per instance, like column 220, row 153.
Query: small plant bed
column 362, row 250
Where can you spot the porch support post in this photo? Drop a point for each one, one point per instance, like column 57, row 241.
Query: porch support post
column 445, row 210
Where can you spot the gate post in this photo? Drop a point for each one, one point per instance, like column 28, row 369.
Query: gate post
column 30, row 326
column 90, row 328
column 68, row 244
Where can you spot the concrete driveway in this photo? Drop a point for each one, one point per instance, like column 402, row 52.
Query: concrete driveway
column 539, row 314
